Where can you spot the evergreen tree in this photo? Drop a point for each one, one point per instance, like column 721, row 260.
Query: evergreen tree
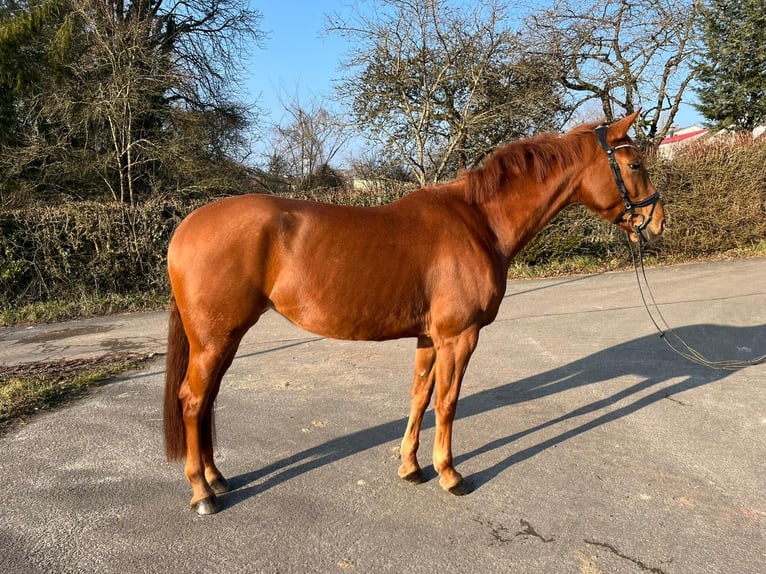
column 122, row 99
column 27, row 34
column 732, row 72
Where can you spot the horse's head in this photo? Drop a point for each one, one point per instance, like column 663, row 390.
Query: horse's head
column 617, row 185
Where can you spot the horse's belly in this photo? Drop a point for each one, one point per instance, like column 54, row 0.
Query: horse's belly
column 365, row 312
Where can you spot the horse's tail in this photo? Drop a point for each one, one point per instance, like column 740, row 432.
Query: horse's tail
column 177, row 361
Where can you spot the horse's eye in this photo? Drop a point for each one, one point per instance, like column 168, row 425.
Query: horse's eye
column 634, row 166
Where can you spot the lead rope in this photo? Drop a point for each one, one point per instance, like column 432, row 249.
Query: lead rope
column 671, row 338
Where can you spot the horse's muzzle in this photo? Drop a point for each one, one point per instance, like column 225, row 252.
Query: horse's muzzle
column 648, row 226
column 649, row 236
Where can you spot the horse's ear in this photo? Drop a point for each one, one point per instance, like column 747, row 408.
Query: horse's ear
column 619, row 129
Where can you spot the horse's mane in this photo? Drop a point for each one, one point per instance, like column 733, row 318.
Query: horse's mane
column 537, row 157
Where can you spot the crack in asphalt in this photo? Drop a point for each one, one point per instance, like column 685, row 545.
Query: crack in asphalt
column 503, row 534
column 530, row 530
column 640, row 563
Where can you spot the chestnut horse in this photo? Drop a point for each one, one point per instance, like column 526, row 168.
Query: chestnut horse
column 431, row 265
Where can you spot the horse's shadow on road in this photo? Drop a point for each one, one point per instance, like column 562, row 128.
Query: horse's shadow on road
column 662, row 374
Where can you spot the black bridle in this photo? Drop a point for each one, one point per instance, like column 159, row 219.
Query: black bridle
column 629, row 205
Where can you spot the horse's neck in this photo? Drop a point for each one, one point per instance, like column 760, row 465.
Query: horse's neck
column 520, row 211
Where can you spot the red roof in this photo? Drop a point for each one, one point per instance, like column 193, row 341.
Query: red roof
column 681, row 137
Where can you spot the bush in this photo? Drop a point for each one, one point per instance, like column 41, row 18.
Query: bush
column 85, row 250
column 715, row 199
column 573, row 234
column 715, row 202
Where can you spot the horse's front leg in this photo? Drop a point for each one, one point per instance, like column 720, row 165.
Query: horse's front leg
column 422, row 387
column 452, row 358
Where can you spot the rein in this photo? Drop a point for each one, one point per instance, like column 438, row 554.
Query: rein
column 667, row 334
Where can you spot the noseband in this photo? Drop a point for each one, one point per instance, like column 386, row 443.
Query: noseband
column 630, row 206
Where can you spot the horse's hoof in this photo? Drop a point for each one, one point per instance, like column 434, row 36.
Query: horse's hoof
column 209, row 505
column 460, row 489
column 220, row 485
column 415, row 477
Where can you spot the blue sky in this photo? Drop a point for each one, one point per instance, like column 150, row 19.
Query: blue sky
column 294, row 59
column 298, row 59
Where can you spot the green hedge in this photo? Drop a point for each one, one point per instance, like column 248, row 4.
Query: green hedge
column 715, row 198
column 715, row 202
column 85, row 249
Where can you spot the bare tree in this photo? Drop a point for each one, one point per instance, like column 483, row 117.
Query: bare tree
column 626, row 54
column 110, row 90
column 437, row 83
column 309, row 140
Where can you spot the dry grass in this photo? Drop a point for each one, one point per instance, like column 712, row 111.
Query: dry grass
column 28, row 389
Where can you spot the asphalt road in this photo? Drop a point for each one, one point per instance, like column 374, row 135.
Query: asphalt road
column 590, row 445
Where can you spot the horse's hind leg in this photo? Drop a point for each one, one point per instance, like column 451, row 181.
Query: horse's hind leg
column 213, row 476
column 422, row 387
column 206, row 368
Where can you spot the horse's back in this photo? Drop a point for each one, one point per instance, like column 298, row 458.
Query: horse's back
column 342, row 272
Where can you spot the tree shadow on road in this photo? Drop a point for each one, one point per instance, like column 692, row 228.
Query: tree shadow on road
column 661, row 373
